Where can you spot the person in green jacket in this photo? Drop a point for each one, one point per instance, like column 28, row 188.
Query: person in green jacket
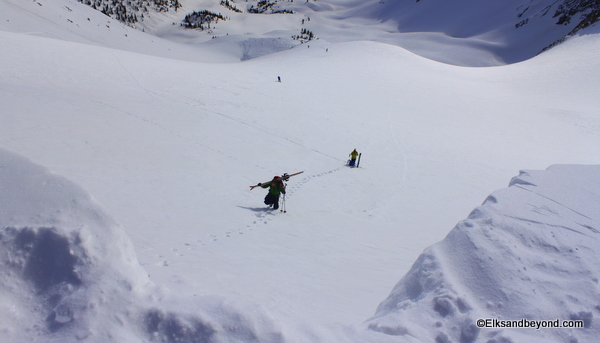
column 353, row 155
column 276, row 188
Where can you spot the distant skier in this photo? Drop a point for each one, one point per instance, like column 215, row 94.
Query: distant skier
column 278, row 78
column 276, row 187
column 353, row 155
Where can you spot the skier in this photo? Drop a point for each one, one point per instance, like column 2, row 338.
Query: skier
column 353, row 155
column 276, row 187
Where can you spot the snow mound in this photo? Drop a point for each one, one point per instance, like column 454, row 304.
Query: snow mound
column 69, row 273
column 528, row 252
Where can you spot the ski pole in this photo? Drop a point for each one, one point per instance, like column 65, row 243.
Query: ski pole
column 283, row 205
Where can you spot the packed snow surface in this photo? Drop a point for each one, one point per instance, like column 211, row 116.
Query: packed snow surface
column 126, row 216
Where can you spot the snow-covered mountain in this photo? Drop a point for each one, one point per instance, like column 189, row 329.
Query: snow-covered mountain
column 495, row 32
column 511, row 30
column 125, row 161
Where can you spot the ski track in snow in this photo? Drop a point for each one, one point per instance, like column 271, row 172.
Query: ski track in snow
column 554, row 201
column 152, row 94
column 261, row 215
column 197, row 104
column 398, row 146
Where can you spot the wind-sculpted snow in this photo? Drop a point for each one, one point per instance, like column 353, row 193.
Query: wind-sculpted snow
column 68, row 273
column 529, row 252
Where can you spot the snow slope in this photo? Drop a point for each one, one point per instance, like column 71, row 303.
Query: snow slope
column 512, row 31
column 168, row 145
column 72, row 21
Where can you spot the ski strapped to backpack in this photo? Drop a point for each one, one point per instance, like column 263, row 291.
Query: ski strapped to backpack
column 284, row 177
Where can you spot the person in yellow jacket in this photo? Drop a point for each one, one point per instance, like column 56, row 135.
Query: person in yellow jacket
column 353, row 155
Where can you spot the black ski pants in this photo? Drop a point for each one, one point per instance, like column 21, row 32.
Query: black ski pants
column 272, row 199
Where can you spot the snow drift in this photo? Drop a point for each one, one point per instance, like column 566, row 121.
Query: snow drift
column 69, row 273
column 528, row 252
